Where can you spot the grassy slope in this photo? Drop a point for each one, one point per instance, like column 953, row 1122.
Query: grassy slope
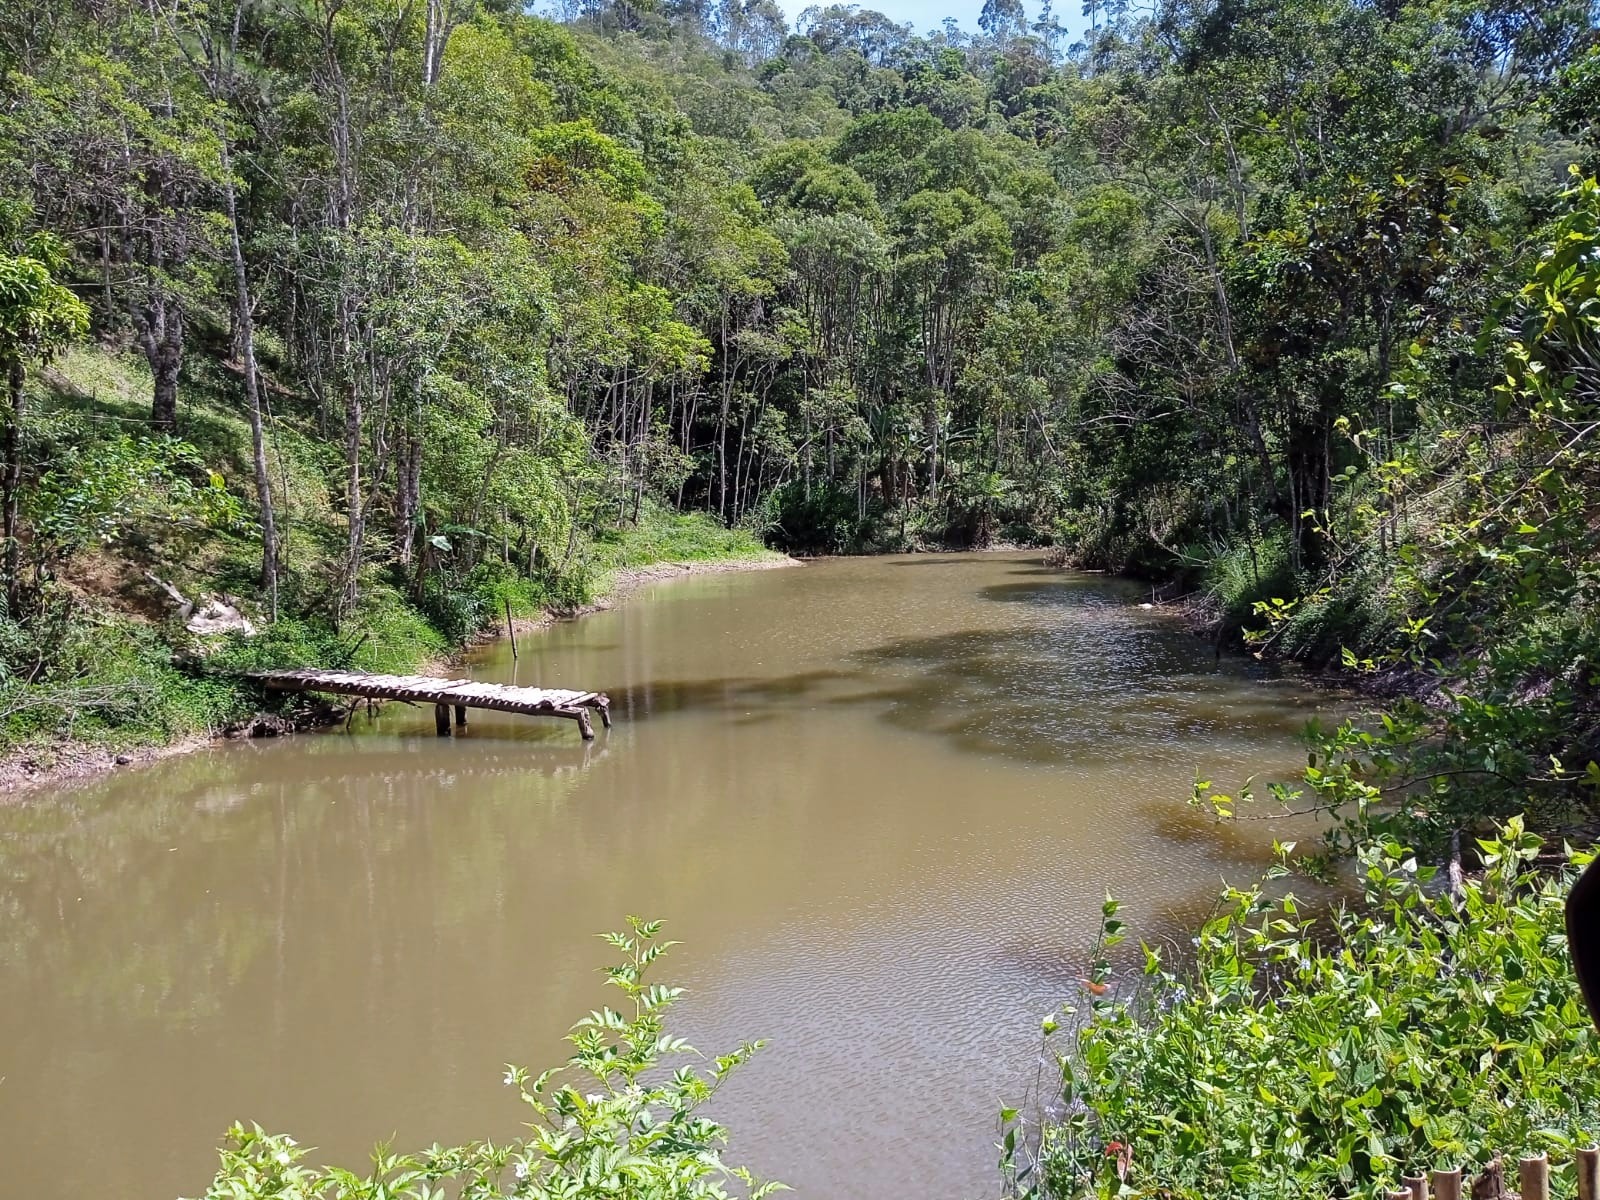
column 130, row 676
column 663, row 536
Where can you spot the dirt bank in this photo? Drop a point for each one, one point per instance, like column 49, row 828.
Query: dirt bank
column 32, row 767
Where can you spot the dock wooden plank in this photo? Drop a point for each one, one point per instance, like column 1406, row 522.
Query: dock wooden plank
column 460, row 693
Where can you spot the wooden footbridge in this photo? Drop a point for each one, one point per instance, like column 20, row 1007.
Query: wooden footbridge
column 445, row 694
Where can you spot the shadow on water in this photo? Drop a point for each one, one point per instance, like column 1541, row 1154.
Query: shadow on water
column 665, row 697
column 1191, row 832
column 1080, row 693
column 1054, row 594
column 940, row 560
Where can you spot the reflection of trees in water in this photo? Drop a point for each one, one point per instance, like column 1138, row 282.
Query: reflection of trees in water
column 1091, row 689
column 157, row 894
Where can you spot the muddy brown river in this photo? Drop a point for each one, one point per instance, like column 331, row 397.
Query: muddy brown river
column 879, row 800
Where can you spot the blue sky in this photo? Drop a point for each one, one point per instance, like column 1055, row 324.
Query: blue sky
column 927, row 15
column 923, row 14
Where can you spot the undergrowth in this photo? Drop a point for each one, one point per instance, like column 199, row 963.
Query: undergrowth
column 103, row 658
column 1305, row 1052
column 661, row 535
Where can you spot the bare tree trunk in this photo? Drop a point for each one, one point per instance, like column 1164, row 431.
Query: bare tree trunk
column 160, row 333
column 244, row 325
column 408, row 496
column 355, row 511
column 13, row 481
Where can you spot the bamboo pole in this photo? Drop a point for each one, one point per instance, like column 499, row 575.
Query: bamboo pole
column 511, row 629
column 1417, row 1185
column 1533, row 1177
column 1589, row 1174
column 1447, row 1184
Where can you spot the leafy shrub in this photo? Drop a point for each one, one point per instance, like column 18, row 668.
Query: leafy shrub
column 105, row 680
column 607, row 1126
column 1325, row 1055
column 1249, row 570
column 663, row 536
column 826, row 522
column 97, row 491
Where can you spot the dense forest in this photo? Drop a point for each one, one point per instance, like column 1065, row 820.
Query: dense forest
column 377, row 320
column 373, row 305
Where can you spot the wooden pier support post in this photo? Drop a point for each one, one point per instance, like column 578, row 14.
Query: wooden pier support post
column 441, row 719
column 584, row 725
column 605, row 715
column 1589, row 1174
column 1534, row 1176
column 1447, row 1185
column 461, row 716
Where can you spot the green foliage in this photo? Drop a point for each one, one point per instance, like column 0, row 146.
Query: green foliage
column 67, row 676
column 96, row 493
column 664, row 536
column 1251, row 571
column 1308, row 1052
column 613, row 1123
column 1471, row 567
column 38, row 314
column 828, row 521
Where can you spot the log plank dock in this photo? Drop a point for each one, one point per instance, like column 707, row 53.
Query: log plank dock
column 445, row 694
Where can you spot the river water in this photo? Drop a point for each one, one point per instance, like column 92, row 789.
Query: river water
column 879, row 800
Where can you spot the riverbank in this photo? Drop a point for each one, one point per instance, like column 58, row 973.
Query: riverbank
column 65, row 760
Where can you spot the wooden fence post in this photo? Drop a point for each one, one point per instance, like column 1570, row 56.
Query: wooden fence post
column 1417, row 1185
column 1447, row 1184
column 1533, row 1177
column 1589, row 1174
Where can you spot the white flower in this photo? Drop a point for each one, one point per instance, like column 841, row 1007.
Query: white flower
column 511, row 1077
column 520, row 1170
